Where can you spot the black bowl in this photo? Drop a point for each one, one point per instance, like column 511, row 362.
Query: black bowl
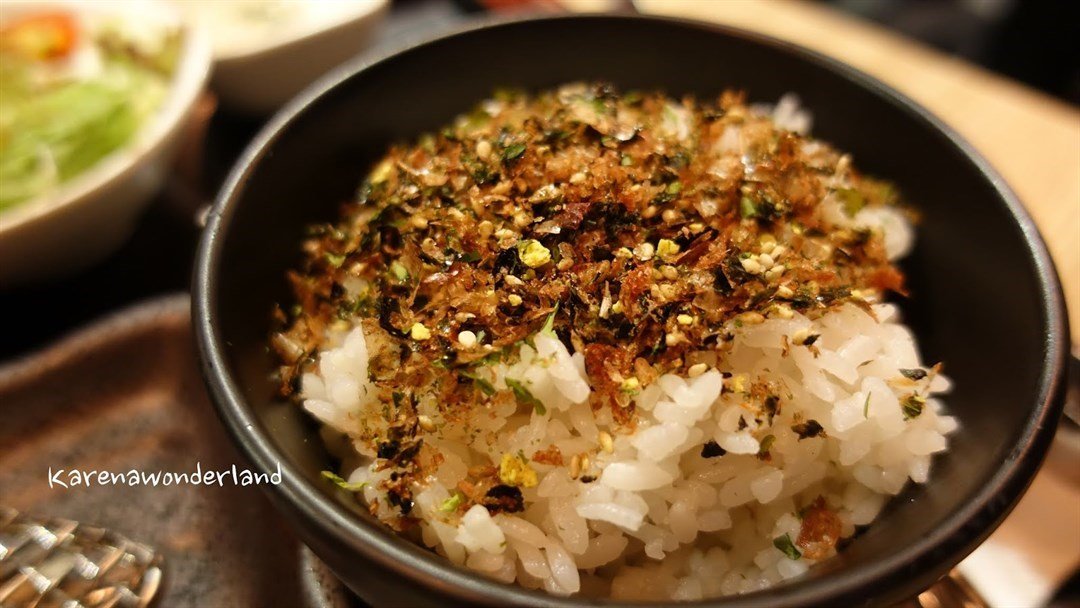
column 985, row 298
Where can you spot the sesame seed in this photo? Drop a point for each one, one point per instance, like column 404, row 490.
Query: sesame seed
column 775, row 272
column 514, row 299
column 696, row 370
column 418, row 221
column 645, row 251
column 766, row 260
column 504, row 233
column 483, row 148
column 669, row 272
column 419, row 332
column 624, row 253
column 778, row 251
column 685, row 320
column 426, row 423
column 485, row 228
column 607, row 442
column 672, row 338
column 696, row 227
column 784, row 291
column 751, row 265
column 669, row 215
column 650, row 212
column 575, row 466
column 513, row 281
column 565, row 264
column 466, row 338
column 521, row 219
column 752, row 318
column 577, row 178
column 783, row 311
column 455, row 214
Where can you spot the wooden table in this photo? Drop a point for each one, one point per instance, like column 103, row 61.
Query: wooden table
column 1032, row 139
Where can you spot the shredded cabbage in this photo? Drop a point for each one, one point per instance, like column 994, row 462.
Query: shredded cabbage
column 53, row 128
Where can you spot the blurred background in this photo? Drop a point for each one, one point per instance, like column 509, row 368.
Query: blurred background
column 1035, row 42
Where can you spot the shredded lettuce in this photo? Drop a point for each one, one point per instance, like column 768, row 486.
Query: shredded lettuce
column 53, row 129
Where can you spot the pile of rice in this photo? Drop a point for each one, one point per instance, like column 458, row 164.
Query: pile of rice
column 655, row 514
column 661, row 521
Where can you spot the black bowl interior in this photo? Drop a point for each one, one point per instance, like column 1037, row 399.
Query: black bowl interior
column 984, row 298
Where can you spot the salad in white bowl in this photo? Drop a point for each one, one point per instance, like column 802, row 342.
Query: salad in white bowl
column 92, row 99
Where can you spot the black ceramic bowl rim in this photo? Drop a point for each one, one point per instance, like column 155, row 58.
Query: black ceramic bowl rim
column 946, row 545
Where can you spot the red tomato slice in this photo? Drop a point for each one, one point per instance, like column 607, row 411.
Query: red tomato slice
column 41, row 35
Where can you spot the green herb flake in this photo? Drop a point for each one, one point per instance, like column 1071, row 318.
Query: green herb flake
column 747, row 208
column 469, row 257
column 912, row 406
column 674, row 188
column 626, row 160
column 784, row 544
column 488, row 359
column 766, row 443
column 485, row 387
column 866, row 406
column 913, row 374
column 514, row 151
column 852, row 200
column 549, row 324
column 451, row 504
column 334, row 259
column 524, row 396
column 341, row 483
column 399, row 271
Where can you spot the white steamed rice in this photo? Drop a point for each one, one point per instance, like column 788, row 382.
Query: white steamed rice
column 661, row 521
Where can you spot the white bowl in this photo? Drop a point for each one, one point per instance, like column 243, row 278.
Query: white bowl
column 258, row 75
column 85, row 219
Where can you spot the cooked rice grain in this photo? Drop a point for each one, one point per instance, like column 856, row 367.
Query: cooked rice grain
column 652, row 518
